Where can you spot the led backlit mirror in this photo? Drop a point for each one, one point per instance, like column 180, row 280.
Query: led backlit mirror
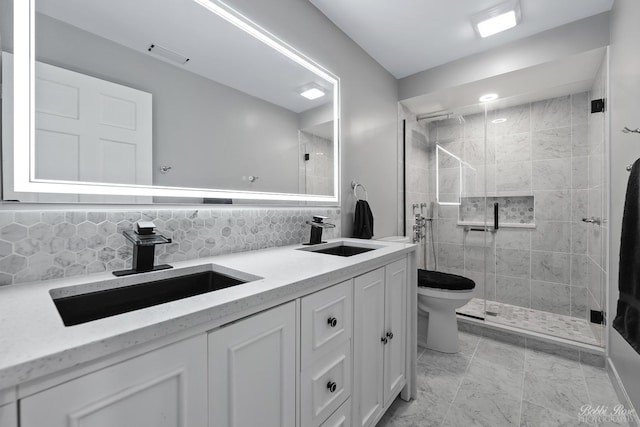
column 145, row 101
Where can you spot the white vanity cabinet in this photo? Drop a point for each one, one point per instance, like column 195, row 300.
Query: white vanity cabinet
column 9, row 415
column 252, row 371
column 162, row 388
column 380, row 340
column 333, row 356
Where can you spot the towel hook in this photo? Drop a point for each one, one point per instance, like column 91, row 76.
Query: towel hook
column 355, row 186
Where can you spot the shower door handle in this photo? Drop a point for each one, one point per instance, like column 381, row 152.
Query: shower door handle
column 496, row 225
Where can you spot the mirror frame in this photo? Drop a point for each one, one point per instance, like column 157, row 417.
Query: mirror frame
column 24, row 118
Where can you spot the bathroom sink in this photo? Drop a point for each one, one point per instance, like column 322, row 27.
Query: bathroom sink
column 85, row 307
column 341, row 249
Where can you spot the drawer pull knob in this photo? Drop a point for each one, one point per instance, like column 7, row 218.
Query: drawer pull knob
column 390, row 335
column 331, row 385
column 332, row 321
column 384, row 340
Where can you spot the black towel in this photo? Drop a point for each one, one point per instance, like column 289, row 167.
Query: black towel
column 627, row 320
column 363, row 221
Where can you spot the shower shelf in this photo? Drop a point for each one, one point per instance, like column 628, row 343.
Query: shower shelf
column 502, row 224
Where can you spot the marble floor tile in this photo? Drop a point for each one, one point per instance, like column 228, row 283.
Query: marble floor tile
column 495, row 377
column 599, row 387
column 475, row 405
column 533, row 415
column 563, row 393
column 421, row 412
column 501, row 380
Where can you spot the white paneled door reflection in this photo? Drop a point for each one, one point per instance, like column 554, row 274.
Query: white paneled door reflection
column 89, row 130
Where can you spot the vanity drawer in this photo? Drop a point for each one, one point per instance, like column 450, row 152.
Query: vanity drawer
column 340, row 418
column 325, row 385
column 327, row 320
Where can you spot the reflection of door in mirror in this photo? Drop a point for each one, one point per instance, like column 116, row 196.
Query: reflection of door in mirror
column 87, row 129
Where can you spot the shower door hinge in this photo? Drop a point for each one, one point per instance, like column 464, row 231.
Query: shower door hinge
column 598, row 105
column 598, row 317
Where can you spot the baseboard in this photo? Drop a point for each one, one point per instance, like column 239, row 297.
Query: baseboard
column 621, row 392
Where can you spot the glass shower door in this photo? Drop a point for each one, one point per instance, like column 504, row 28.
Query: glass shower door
column 465, row 239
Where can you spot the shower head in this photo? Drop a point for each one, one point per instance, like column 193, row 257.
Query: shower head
column 439, row 116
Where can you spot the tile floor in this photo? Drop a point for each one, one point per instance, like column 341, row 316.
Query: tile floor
column 535, row 320
column 497, row 380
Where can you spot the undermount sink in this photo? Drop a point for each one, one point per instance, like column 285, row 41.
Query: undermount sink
column 341, row 249
column 98, row 304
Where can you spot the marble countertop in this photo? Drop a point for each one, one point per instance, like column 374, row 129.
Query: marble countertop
column 34, row 342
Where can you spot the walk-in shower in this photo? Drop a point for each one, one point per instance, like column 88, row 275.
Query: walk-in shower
column 513, row 186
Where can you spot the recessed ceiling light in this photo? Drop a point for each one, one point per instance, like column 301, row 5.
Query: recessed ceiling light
column 488, row 97
column 312, row 93
column 497, row 18
column 498, row 121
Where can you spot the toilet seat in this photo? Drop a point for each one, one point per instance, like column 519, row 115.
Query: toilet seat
column 445, row 281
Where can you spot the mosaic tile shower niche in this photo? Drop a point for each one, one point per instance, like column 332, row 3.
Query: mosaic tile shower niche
column 511, row 210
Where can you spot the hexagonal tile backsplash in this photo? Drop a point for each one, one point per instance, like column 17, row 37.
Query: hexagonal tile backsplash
column 42, row 245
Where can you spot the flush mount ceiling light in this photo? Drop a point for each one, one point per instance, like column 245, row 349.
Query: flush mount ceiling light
column 498, row 121
column 488, row 97
column 498, row 18
column 168, row 54
column 311, row 92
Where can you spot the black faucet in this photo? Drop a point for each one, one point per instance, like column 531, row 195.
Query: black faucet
column 144, row 240
column 317, row 225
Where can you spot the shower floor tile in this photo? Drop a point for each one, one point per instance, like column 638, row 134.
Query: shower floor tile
column 544, row 322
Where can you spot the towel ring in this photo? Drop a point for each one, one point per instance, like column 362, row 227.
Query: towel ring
column 355, row 186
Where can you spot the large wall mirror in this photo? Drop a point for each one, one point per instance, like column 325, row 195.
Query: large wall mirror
column 153, row 101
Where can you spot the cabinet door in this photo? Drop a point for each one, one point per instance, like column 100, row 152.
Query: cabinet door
column 9, row 415
column 164, row 388
column 325, row 321
column 252, row 368
column 368, row 347
column 395, row 321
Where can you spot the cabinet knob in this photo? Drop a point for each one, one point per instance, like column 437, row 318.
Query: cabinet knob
column 331, row 385
column 390, row 335
column 384, row 340
column 332, row 321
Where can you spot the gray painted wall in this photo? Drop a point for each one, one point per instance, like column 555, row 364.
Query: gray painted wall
column 369, row 103
column 211, row 135
column 551, row 45
column 625, row 111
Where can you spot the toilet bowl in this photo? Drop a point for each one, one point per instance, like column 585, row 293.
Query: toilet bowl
column 439, row 295
column 442, row 332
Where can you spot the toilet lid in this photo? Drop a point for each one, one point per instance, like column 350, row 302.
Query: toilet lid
column 440, row 280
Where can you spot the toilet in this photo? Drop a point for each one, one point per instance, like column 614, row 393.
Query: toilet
column 439, row 295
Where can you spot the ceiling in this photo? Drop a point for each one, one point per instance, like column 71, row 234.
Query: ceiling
column 408, row 36
column 569, row 75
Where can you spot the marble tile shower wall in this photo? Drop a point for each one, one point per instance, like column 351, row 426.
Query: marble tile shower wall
column 418, row 169
column 316, row 173
column 41, row 245
column 541, row 150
